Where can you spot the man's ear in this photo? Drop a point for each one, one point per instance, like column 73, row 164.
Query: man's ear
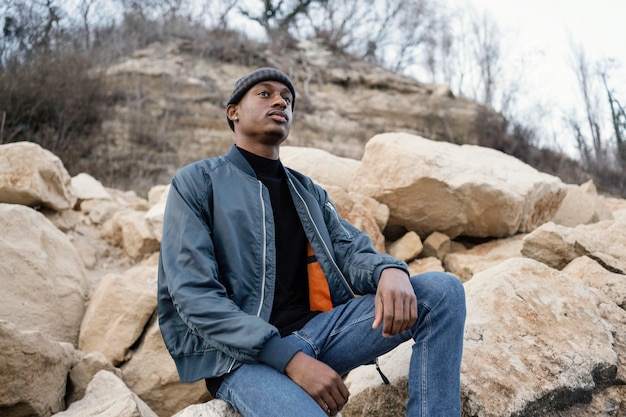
column 231, row 112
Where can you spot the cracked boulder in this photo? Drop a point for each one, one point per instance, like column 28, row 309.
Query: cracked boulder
column 537, row 341
column 466, row 190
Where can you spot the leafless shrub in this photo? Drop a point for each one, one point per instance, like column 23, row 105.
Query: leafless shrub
column 600, row 131
column 278, row 18
column 391, row 33
column 52, row 100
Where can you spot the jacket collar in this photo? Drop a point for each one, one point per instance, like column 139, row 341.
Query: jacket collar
column 237, row 159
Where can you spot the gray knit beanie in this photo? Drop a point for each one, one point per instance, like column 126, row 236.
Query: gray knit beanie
column 251, row 79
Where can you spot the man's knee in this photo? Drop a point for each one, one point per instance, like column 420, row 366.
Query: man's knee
column 441, row 285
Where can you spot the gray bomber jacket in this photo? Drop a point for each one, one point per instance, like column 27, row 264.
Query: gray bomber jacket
column 217, row 264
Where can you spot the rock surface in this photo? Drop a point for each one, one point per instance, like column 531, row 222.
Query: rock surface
column 42, row 281
column 464, row 264
column 86, row 187
column 322, row 166
column 369, row 396
column 107, row 395
column 33, row 176
column 34, row 372
column 118, row 312
column 540, row 339
column 457, row 190
column 407, row 248
column 213, row 408
column 592, row 274
column 556, row 246
column 437, row 244
column 151, row 374
column 83, row 372
column 545, row 333
column 582, row 205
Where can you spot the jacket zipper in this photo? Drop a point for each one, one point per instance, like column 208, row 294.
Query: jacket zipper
column 332, row 208
column 321, row 239
column 258, row 313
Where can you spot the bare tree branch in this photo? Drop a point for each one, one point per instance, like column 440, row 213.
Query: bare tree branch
column 618, row 120
column 590, row 104
column 278, row 17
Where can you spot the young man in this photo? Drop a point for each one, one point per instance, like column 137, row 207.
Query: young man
column 258, row 278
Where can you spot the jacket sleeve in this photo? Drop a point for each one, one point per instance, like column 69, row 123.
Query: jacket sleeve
column 191, row 274
column 354, row 252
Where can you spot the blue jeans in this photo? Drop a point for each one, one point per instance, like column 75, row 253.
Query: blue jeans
column 343, row 338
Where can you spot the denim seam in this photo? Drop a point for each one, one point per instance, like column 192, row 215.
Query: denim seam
column 231, row 395
column 308, row 341
column 424, row 370
column 361, row 319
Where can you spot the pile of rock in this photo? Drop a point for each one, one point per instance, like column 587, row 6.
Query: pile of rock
column 543, row 263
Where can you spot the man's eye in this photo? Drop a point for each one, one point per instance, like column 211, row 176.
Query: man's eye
column 263, row 93
column 287, row 99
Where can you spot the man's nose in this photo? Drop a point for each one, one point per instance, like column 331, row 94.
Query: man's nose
column 279, row 100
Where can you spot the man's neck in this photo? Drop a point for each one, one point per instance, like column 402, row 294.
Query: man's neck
column 265, row 151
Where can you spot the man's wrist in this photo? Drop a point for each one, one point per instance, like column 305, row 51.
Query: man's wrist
column 277, row 353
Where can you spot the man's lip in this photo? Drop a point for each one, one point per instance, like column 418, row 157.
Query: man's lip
column 279, row 114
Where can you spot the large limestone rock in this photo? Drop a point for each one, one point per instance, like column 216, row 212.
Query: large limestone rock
column 437, row 245
column 42, row 277
column 213, row 408
column 152, row 375
column 154, row 216
column 83, row 372
column 620, row 215
column 322, row 166
column 129, row 199
column 608, row 402
column 428, row 264
column 86, row 187
column 591, row 273
column 537, row 341
column 407, row 248
column 582, row 205
column 369, row 396
column 364, row 213
column 614, row 204
column 33, row 372
column 552, row 244
column 457, row 190
column 464, row 264
column 33, row 176
column 107, row 395
column 99, row 211
column 118, row 312
column 129, row 230
column 556, row 246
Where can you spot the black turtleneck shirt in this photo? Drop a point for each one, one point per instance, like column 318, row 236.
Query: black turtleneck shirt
column 290, row 309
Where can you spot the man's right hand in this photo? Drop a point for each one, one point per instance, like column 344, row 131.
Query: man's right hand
column 320, row 381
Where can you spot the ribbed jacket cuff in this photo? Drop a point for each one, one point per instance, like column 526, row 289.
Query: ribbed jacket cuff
column 379, row 270
column 277, row 353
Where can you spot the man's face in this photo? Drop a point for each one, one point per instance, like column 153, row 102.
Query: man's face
column 264, row 112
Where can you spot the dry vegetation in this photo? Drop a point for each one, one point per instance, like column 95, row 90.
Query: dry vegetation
column 53, row 95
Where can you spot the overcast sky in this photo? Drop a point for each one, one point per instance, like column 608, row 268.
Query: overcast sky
column 542, row 31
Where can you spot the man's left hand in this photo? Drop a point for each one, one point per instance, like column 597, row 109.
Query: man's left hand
column 395, row 304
